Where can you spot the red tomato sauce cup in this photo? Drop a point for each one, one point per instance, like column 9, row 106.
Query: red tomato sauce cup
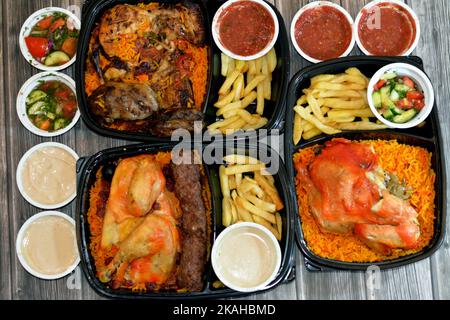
column 245, row 29
column 387, row 28
column 322, row 30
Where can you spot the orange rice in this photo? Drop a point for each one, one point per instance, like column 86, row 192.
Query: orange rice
column 408, row 162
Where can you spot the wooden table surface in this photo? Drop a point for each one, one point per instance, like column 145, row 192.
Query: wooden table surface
column 427, row 279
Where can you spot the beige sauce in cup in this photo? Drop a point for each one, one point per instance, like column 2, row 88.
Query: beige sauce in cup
column 48, row 175
column 246, row 258
column 49, row 245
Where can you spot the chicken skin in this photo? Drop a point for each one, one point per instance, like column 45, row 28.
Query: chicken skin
column 346, row 193
column 141, row 221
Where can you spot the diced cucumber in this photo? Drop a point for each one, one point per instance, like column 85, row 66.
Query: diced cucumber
column 405, row 116
column 37, row 108
column 394, row 96
column 376, row 98
column 388, row 114
column 34, row 96
column 388, row 76
column 401, row 88
column 397, row 111
column 59, row 124
column 384, row 92
column 50, row 115
column 56, row 58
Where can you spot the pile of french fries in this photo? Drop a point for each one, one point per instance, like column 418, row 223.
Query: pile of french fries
column 249, row 194
column 334, row 102
column 245, row 82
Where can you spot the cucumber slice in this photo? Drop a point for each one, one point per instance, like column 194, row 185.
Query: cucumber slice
column 385, row 101
column 397, row 111
column 388, row 76
column 405, row 117
column 56, row 58
column 51, row 115
column 376, row 98
column 34, row 96
column 59, row 124
column 388, row 114
column 402, row 88
column 394, row 96
column 37, row 108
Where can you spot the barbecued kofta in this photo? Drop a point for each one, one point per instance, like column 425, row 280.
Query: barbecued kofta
column 150, row 224
column 146, row 68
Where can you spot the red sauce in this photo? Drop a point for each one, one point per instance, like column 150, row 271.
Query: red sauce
column 245, row 28
column 395, row 33
column 323, row 32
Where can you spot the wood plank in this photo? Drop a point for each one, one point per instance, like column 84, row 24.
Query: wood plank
column 5, row 248
column 330, row 285
column 412, row 282
column 434, row 47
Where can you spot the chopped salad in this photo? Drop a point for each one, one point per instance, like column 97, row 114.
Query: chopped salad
column 53, row 40
column 397, row 98
column 51, row 106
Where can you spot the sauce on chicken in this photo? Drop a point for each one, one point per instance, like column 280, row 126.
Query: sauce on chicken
column 347, row 194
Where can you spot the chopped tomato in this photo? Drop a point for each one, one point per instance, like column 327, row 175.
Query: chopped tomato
column 418, row 104
column 37, row 46
column 407, row 81
column 69, row 46
column 414, row 95
column 57, row 24
column 69, row 109
column 45, row 125
column 63, row 94
column 45, row 23
column 404, row 104
column 379, row 85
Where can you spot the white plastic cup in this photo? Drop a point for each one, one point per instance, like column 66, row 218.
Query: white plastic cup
column 30, row 23
column 21, row 166
column 216, row 36
column 419, row 78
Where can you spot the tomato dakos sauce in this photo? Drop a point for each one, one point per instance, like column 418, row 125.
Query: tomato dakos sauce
column 323, row 32
column 245, row 28
column 387, row 29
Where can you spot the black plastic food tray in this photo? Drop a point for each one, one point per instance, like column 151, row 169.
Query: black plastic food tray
column 273, row 111
column 428, row 136
column 86, row 175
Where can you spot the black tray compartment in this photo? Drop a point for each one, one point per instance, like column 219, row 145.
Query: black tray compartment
column 274, row 109
column 86, row 171
column 428, row 137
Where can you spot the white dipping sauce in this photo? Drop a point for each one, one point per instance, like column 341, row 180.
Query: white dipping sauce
column 49, row 245
column 49, row 176
column 246, row 257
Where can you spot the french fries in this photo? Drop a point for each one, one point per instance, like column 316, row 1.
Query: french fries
column 246, row 83
column 249, row 194
column 332, row 103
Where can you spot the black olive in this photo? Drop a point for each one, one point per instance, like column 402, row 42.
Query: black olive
column 108, row 172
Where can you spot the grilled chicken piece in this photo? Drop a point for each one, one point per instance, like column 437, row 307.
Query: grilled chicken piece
column 122, row 21
column 180, row 21
column 126, row 101
column 141, row 220
column 136, row 184
column 346, row 194
column 151, row 247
